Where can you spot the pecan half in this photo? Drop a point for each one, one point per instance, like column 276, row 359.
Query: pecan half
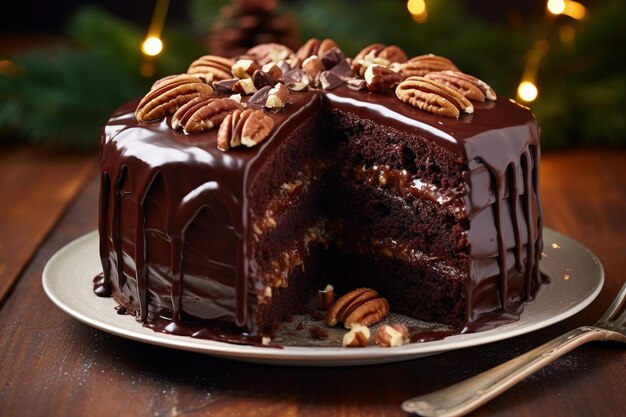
column 368, row 313
column 361, row 306
column 210, row 115
column 393, row 335
column 211, row 68
column 358, row 336
column 377, row 53
column 169, row 96
column 315, row 47
column 229, row 134
column 171, row 78
column 433, row 97
column 182, row 115
column 471, row 87
column 256, row 128
column 272, row 52
column 380, row 78
column 244, row 127
column 423, row 64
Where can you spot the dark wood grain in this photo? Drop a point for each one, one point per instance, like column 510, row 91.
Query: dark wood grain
column 36, row 185
column 52, row 365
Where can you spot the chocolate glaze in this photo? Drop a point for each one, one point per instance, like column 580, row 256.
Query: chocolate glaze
column 162, row 189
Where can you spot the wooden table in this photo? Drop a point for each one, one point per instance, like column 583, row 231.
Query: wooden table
column 52, row 365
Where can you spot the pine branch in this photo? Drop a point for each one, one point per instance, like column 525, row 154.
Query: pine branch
column 64, row 95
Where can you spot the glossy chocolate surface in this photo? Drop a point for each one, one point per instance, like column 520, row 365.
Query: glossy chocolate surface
column 162, row 189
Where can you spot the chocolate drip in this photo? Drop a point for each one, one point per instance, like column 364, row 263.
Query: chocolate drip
column 117, row 239
column 506, row 181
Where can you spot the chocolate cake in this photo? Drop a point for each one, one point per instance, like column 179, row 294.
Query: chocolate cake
column 231, row 193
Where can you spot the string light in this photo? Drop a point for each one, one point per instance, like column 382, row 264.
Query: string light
column 570, row 8
column 527, row 91
column 556, row 6
column 153, row 45
column 418, row 10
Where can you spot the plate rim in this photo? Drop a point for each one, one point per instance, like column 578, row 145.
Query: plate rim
column 304, row 355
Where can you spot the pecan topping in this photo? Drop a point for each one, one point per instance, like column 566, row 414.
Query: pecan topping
column 315, row 47
column 272, row 70
column 377, row 53
column 169, row 95
column 358, row 336
column 433, row 97
column 313, row 67
column 381, row 78
column 471, row 87
column 182, row 115
column 326, row 297
column 277, row 97
column 171, row 78
column 361, row 306
column 272, row 52
column 244, row 86
column 423, row 64
column 210, row 115
column 392, row 335
column 257, row 128
column 211, row 68
column 244, row 68
column 244, row 127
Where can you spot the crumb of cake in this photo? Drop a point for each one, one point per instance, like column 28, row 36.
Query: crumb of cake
column 300, row 326
column 318, row 333
column 265, row 341
column 316, row 315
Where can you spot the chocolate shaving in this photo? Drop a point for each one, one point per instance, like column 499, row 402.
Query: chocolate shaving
column 259, row 98
column 224, row 86
column 296, row 80
column 330, row 80
column 262, row 79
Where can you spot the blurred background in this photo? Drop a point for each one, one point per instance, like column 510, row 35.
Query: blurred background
column 65, row 66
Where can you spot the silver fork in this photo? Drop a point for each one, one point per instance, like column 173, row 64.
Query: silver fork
column 463, row 397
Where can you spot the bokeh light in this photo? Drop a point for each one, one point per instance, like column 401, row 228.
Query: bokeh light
column 152, row 46
column 527, row 91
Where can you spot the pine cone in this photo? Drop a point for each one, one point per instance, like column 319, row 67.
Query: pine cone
column 246, row 23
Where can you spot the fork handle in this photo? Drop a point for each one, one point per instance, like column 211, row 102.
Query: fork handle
column 463, row 397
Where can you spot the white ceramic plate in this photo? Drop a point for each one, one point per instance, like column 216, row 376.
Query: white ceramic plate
column 576, row 273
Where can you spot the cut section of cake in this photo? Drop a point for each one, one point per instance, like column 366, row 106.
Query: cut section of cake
column 227, row 202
